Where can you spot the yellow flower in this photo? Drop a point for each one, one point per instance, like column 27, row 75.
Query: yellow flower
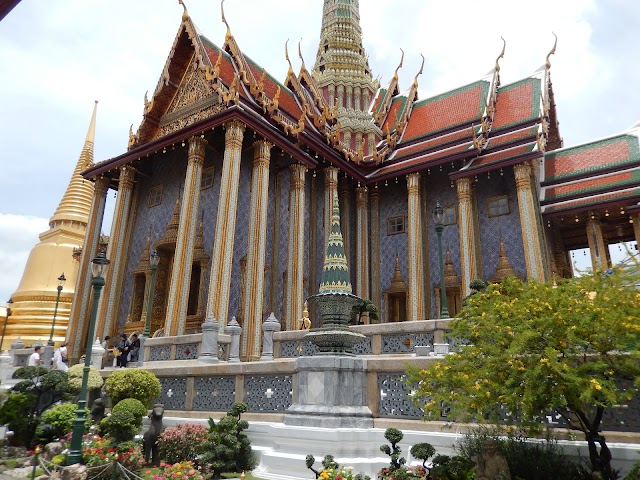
column 595, row 384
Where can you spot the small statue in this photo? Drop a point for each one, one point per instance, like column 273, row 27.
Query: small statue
column 491, row 464
column 305, row 321
column 150, row 438
column 97, row 411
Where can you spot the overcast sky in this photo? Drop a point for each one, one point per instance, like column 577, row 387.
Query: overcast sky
column 57, row 57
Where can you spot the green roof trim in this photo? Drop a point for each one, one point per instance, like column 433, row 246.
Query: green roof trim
column 600, row 198
column 381, row 93
column 634, row 156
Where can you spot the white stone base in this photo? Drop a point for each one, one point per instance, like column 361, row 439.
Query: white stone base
column 283, row 448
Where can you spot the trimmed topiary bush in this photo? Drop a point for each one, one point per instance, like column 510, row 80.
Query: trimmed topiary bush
column 132, row 383
column 135, row 407
column 75, row 378
column 184, row 441
column 120, row 426
column 57, row 421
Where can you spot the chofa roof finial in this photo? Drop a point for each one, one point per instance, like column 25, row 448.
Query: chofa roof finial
column 552, row 52
column 504, row 46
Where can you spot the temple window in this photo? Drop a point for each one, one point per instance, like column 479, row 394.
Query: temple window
column 207, row 178
column 498, row 206
column 155, row 196
column 450, row 215
column 396, row 225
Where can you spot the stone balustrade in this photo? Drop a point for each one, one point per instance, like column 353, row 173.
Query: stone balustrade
column 183, row 347
column 380, row 339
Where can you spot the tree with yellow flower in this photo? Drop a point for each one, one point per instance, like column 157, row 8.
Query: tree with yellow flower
column 528, row 350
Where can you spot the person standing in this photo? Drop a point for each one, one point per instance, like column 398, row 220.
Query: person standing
column 124, row 348
column 135, row 348
column 34, row 359
column 60, row 359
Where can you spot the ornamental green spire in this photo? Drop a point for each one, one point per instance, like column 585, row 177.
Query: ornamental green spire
column 335, row 273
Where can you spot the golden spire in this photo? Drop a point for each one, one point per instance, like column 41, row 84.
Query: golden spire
column 397, row 282
column 504, row 268
column 76, row 201
column 451, row 278
column 143, row 263
column 171, row 233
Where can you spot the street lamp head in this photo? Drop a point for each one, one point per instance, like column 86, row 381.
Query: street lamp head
column 438, row 214
column 99, row 265
column 61, row 280
column 154, row 258
column 9, row 303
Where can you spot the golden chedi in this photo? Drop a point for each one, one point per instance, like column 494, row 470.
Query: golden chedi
column 34, row 301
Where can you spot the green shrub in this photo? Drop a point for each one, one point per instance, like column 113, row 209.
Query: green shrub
column 16, row 413
column 184, row 441
column 75, row 374
column 393, row 436
column 529, row 460
column 228, row 448
column 452, row 468
column 132, row 383
column 57, row 421
column 120, row 426
column 135, row 407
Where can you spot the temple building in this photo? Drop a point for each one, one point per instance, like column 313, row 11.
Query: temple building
column 231, row 178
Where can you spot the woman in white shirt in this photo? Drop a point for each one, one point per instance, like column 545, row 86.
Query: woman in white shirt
column 60, row 358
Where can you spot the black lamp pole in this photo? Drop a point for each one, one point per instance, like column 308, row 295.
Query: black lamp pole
column 4, row 328
column 61, row 281
column 438, row 216
column 99, row 267
column 154, row 260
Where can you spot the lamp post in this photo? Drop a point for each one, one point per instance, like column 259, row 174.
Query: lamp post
column 4, row 328
column 61, row 281
column 154, row 260
column 99, row 267
column 438, row 217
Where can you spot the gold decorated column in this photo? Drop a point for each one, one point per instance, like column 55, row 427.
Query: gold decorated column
column 295, row 260
column 531, row 235
column 117, row 254
column 468, row 243
column 597, row 246
column 79, row 316
column 415, row 307
column 374, row 200
column 183, row 259
column 330, row 192
column 254, row 293
column 220, row 279
column 362, row 242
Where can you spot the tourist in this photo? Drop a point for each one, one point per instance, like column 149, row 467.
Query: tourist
column 123, row 348
column 60, row 359
column 107, row 357
column 135, row 348
column 34, row 359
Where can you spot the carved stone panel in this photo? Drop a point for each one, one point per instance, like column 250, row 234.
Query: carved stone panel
column 269, row 393
column 214, row 394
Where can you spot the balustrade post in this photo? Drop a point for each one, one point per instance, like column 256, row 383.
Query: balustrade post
column 234, row 330
column 269, row 326
column 209, row 346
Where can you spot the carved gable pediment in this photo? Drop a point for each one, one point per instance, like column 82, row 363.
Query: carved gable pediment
column 194, row 101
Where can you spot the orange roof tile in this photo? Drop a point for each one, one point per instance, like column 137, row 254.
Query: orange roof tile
column 591, row 158
column 392, row 117
column 592, row 200
column 402, row 152
column 591, row 184
column 425, row 161
column 517, row 103
column 463, row 105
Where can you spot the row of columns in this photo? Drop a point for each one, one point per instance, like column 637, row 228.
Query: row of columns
column 367, row 281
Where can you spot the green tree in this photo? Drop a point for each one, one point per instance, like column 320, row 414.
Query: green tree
column 532, row 348
column 364, row 306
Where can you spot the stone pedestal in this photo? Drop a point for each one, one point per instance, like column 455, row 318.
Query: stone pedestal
column 47, row 356
column 97, row 352
column 269, row 326
column 6, row 368
column 209, row 346
column 332, row 393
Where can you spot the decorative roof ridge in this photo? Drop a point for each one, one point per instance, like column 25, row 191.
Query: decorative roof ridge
column 381, row 113
column 551, row 126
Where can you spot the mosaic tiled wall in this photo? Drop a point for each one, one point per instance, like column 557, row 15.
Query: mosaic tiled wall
column 438, row 189
column 284, row 181
column 506, row 225
column 393, row 202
